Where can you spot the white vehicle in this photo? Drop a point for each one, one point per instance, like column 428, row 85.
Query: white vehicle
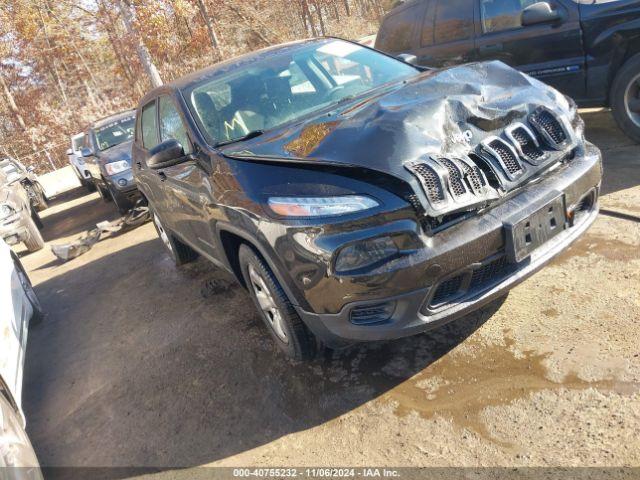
column 78, row 163
column 19, row 306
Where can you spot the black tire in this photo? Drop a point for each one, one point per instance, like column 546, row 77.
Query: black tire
column 42, row 203
column 625, row 89
column 104, row 193
column 89, row 185
column 36, row 219
column 34, row 240
column 177, row 250
column 121, row 204
column 299, row 343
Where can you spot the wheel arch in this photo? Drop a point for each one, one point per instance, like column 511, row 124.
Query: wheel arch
column 231, row 237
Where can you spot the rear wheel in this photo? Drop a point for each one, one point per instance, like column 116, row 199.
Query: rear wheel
column 34, row 240
column 177, row 250
column 625, row 98
column 285, row 325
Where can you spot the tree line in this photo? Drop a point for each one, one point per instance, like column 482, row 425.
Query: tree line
column 65, row 63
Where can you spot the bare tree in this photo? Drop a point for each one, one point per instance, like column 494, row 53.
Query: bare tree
column 143, row 52
column 211, row 30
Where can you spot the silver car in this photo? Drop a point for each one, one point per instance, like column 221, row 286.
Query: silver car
column 29, row 180
column 19, row 307
column 19, row 222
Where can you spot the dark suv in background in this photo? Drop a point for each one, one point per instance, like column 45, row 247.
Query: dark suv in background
column 358, row 197
column 107, row 154
column 587, row 49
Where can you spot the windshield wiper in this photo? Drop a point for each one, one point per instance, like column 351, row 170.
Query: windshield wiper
column 248, row 136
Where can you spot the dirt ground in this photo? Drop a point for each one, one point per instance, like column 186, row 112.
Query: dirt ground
column 138, row 363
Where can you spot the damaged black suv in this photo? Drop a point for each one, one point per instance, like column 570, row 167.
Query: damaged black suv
column 358, row 197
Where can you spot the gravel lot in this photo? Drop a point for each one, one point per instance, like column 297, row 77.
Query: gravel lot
column 140, row 364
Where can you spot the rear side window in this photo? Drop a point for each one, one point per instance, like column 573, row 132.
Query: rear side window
column 453, row 20
column 149, row 126
column 396, row 33
column 171, row 125
column 498, row 15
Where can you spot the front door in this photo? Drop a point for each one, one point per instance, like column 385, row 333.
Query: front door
column 188, row 185
column 551, row 52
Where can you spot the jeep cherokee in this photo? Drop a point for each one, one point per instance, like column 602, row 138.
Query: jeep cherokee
column 358, row 197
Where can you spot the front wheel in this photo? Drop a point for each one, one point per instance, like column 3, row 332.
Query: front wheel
column 34, row 240
column 625, row 98
column 41, row 198
column 105, row 195
column 285, row 325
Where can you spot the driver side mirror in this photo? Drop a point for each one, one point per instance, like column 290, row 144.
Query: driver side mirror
column 540, row 12
column 86, row 152
column 408, row 58
column 166, row 154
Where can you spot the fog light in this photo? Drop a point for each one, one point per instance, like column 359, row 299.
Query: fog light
column 374, row 313
column 122, row 182
column 366, row 254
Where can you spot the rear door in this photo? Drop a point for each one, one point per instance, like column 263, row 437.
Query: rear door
column 551, row 52
column 447, row 33
column 399, row 29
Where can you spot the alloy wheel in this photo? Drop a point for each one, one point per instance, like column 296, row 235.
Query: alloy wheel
column 267, row 304
column 632, row 100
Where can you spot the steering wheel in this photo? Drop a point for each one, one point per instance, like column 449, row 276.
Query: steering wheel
column 331, row 93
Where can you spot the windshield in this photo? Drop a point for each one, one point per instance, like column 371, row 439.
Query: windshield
column 288, row 85
column 11, row 171
column 115, row 133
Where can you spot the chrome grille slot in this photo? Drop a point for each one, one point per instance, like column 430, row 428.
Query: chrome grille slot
column 456, row 182
column 505, row 154
column 474, row 176
column 526, row 143
column 430, row 181
column 549, row 127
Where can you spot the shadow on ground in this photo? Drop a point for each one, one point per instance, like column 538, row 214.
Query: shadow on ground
column 622, row 170
column 81, row 214
column 135, row 367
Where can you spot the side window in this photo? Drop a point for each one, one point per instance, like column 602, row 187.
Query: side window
column 171, row 125
column 498, row 15
column 397, row 30
column 453, row 20
column 149, row 125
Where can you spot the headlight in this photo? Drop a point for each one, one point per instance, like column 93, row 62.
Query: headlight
column 6, row 211
column 116, row 167
column 320, row 206
column 366, row 254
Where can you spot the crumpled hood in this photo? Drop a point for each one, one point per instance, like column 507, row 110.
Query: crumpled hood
column 444, row 113
column 121, row 151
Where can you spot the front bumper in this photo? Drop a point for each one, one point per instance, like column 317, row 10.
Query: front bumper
column 13, row 229
column 459, row 251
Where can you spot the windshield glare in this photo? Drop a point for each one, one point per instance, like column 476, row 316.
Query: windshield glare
column 115, row 133
column 288, row 85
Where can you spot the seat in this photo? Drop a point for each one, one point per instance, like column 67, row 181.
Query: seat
column 208, row 114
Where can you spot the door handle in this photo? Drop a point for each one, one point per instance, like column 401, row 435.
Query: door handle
column 163, row 176
column 493, row 48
